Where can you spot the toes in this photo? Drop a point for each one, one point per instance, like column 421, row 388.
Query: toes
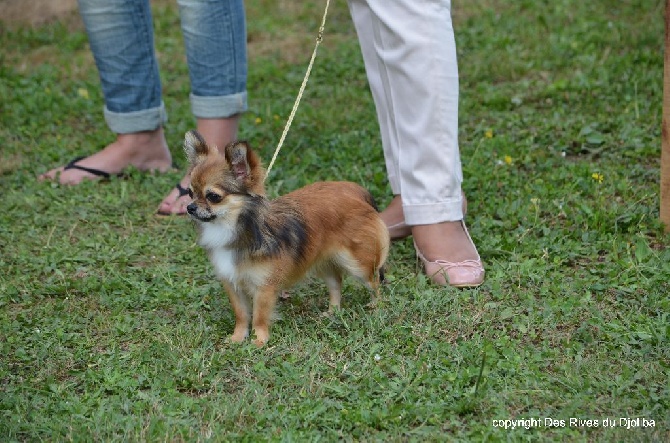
column 67, row 177
column 166, row 205
column 237, row 338
column 50, row 175
column 262, row 336
column 174, row 204
column 180, row 205
column 73, row 179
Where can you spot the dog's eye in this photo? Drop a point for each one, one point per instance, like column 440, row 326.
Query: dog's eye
column 190, row 192
column 213, row 198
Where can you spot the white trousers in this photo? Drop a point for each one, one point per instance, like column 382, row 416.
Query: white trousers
column 409, row 52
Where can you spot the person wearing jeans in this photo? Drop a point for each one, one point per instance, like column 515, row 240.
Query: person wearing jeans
column 409, row 52
column 121, row 38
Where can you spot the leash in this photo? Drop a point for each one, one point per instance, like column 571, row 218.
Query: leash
column 319, row 38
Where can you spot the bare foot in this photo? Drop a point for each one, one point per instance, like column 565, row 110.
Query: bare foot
column 217, row 132
column 176, row 201
column 147, row 151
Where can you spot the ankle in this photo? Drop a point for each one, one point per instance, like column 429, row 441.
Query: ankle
column 146, row 150
column 219, row 131
column 393, row 215
column 144, row 138
column 394, row 219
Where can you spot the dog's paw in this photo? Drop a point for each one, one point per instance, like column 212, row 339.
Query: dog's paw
column 373, row 304
column 261, row 337
column 239, row 336
column 332, row 309
column 259, row 343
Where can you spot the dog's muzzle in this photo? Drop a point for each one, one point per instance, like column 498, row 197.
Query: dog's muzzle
column 192, row 210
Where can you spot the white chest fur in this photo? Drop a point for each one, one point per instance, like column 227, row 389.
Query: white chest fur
column 216, row 239
column 223, row 260
column 214, row 236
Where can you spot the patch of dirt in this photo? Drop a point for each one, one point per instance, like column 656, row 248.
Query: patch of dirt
column 34, row 12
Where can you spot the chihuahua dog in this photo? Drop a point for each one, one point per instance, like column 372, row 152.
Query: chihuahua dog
column 260, row 246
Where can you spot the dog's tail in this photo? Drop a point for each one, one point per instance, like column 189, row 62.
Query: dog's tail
column 369, row 199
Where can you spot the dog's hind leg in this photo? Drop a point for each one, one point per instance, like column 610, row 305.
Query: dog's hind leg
column 375, row 282
column 376, row 266
column 364, row 267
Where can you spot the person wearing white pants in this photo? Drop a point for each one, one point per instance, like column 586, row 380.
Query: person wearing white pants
column 409, row 52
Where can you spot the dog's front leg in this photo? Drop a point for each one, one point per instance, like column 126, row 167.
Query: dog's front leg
column 240, row 304
column 264, row 304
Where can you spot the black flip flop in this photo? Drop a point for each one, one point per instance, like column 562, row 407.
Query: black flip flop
column 182, row 190
column 97, row 172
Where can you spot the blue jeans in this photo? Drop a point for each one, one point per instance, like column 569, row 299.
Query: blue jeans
column 121, row 37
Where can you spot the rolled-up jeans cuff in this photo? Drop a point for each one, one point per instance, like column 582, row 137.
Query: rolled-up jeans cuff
column 136, row 121
column 219, row 107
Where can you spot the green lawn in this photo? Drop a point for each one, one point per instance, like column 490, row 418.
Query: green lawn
column 113, row 328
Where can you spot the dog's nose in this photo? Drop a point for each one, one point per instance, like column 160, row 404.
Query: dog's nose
column 191, row 208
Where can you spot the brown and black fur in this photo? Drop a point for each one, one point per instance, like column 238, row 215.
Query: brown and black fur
column 259, row 246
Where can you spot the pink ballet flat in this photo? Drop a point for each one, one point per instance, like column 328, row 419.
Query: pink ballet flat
column 462, row 274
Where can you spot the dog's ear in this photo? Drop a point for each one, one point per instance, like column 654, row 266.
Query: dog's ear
column 237, row 157
column 195, row 147
column 245, row 165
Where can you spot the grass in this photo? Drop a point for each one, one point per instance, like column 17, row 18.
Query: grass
column 113, row 328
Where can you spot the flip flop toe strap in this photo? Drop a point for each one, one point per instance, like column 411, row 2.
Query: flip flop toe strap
column 182, row 190
column 97, row 172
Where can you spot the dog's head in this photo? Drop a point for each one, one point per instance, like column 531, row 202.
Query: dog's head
column 221, row 183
